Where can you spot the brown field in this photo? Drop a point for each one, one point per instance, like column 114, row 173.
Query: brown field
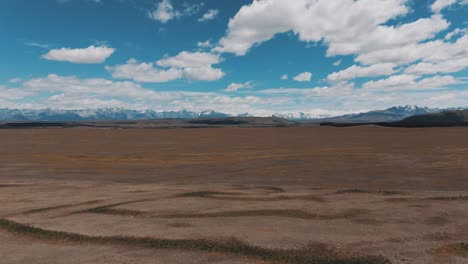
column 357, row 195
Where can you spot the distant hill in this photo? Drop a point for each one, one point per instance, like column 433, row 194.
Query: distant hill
column 447, row 118
column 249, row 121
column 392, row 114
column 157, row 123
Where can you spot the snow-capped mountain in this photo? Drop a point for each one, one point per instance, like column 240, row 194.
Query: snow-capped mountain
column 388, row 115
column 299, row 116
column 100, row 114
column 391, row 114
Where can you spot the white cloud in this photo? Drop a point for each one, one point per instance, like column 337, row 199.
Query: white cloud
column 209, row 15
column 284, row 77
column 165, row 11
column 347, row 26
column 38, row 45
column 189, row 65
column 195, row 65
column 455, row 32
column 234, row 87
column 204, row 44
column 16, row 80
column 438, row 5
column 430, row 51
column 359, row 71
column 190, row 59
column 410, row 82
column 204, row 73
column 303, row 77
column 337, row 63
column 447, row 66
column 68, row 92
column 13, row 93
column 89, row 55
column 144, row 72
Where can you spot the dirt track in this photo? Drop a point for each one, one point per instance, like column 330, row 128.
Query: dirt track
column 350, row 193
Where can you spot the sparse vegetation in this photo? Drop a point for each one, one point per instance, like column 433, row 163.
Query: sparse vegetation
column 13, row 185
column 113, row 211
column 464, row 246
column 179, row 225
column 351, row 213
column 437, row 220
column 272, row 188
column 449, row 198
column 109, row 209
column 382, row 192
column 436, row 198
column 206, row 194
column 312, row 254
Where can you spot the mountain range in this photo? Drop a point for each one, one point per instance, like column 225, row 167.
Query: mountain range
column 396, row 113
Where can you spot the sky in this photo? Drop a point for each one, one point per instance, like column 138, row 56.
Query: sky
column 261, row 57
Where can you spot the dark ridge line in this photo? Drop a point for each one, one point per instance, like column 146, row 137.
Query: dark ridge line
column 50, row 208
column 225, row 196
column 271, row 212
column 448, row 198
column 291, row 213
column 382, row 192
column 107, row 207
column 397, row 124
column 272, row 189
column 14, row 185
column 207, row 193
column 435, row 198
column 307, row 255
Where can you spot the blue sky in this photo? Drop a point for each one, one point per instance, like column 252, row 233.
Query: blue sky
column 267, row 56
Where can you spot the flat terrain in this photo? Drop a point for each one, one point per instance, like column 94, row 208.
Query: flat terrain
column 362, row 194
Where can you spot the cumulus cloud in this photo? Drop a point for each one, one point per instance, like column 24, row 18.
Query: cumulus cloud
column 209, row 15
column 430, row 51
column 89, row 55
column 164, row 11
column 343, row 24
column 410, row 82
column 189, row 65
column 446, row 66
column 455, row 32
column 358, row 28
column 284, row 77
column 144, row 72
column 13, row 93
column 359, row 71
column 234, row 87
column 303, row 77
column 346, row 27
column 204, row 44
column 438, row 5
column 190, row 59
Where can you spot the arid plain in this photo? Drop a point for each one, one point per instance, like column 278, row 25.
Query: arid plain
column 306, row 194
